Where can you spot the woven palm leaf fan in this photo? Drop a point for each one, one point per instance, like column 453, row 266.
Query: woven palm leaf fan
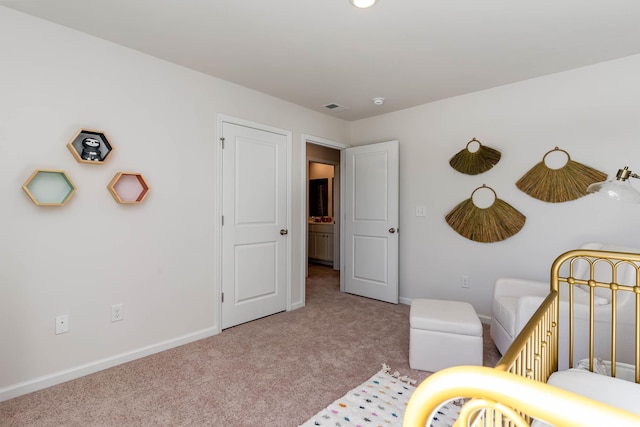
column 492, row 224
column 567, row 183
column 473, row 163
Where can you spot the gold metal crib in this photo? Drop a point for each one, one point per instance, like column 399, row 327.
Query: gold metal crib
column 515, row 393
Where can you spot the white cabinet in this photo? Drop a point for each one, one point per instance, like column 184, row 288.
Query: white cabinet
column 321, row 242
column 313, row 246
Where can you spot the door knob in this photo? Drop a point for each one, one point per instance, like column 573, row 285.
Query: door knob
column 284, row 231
column 392, row 230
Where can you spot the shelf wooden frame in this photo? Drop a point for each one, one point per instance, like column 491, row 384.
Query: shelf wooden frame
column 95, row 151
column 46, row 187
column 128, row 187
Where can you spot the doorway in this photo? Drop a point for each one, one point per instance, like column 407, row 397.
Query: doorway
column 323, row 206
column 366, row 217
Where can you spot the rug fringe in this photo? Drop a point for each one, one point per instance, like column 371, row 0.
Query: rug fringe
column 387, row 370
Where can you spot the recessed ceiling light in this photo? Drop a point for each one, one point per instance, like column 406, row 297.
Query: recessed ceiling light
column 378, row 101
column 363, row 4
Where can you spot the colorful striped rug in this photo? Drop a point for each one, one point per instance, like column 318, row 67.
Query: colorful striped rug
column 379, row 401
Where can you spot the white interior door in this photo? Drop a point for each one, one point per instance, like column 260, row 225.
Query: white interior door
column 254, row 230
column 371, row 221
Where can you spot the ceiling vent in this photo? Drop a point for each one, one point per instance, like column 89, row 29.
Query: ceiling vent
column 335, row 107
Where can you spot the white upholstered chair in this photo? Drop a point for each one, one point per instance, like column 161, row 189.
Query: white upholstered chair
column 515, row 301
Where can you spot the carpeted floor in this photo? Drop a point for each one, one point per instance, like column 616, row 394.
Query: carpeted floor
column 276, row 371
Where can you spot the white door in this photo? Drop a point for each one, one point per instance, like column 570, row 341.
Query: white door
column 254, row 230
column 371, row 221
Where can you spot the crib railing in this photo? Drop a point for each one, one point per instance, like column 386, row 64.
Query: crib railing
column 514, row 392
column 534, row 352
column 497, row 392
column 613, row 263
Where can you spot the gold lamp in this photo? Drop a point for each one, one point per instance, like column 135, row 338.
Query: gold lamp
column 619, row 188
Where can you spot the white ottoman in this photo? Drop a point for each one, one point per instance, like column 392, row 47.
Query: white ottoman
column 443, row 334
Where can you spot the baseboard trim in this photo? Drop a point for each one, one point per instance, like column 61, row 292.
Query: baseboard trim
column 297, row 305
column 45, row 381
column 484, row 318
column 406, row 301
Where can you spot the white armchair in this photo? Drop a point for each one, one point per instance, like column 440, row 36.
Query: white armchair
column 515, row 301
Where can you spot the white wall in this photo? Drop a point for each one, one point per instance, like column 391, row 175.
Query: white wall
column 592, row 112
column 156, row 258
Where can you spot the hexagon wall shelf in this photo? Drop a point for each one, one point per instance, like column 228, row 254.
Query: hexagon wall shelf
column 128, row 187
column 49, row 187
column 90, row 146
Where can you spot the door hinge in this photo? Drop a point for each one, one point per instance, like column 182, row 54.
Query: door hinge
column 222, row 142
column 223, row 297
column 222, row 219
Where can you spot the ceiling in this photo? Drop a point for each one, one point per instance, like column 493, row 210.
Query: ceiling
column 318, row 52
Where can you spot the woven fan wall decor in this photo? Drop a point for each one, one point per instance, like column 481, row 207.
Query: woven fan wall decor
column 567, row 183
column 492, row 224
column 473, row 163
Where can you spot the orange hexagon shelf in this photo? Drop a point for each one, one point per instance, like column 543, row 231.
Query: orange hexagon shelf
column 49, row 187
column 90, row 146
column 128, row 187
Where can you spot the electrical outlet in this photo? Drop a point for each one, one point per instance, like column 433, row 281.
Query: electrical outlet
column 117, row 312
column 465, row 281
column 62, row 324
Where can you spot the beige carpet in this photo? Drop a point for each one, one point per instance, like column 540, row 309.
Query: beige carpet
column 276, row 371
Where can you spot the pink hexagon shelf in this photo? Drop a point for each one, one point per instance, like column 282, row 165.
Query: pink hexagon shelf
column 49, row 187
column 128, row 187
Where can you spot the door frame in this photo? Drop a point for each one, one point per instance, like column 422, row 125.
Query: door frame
column 304, row 223
column 222, row 118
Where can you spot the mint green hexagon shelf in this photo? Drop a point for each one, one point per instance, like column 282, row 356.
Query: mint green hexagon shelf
column 49, row 187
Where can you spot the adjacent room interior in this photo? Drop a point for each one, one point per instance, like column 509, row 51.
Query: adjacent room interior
column 324, row 205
